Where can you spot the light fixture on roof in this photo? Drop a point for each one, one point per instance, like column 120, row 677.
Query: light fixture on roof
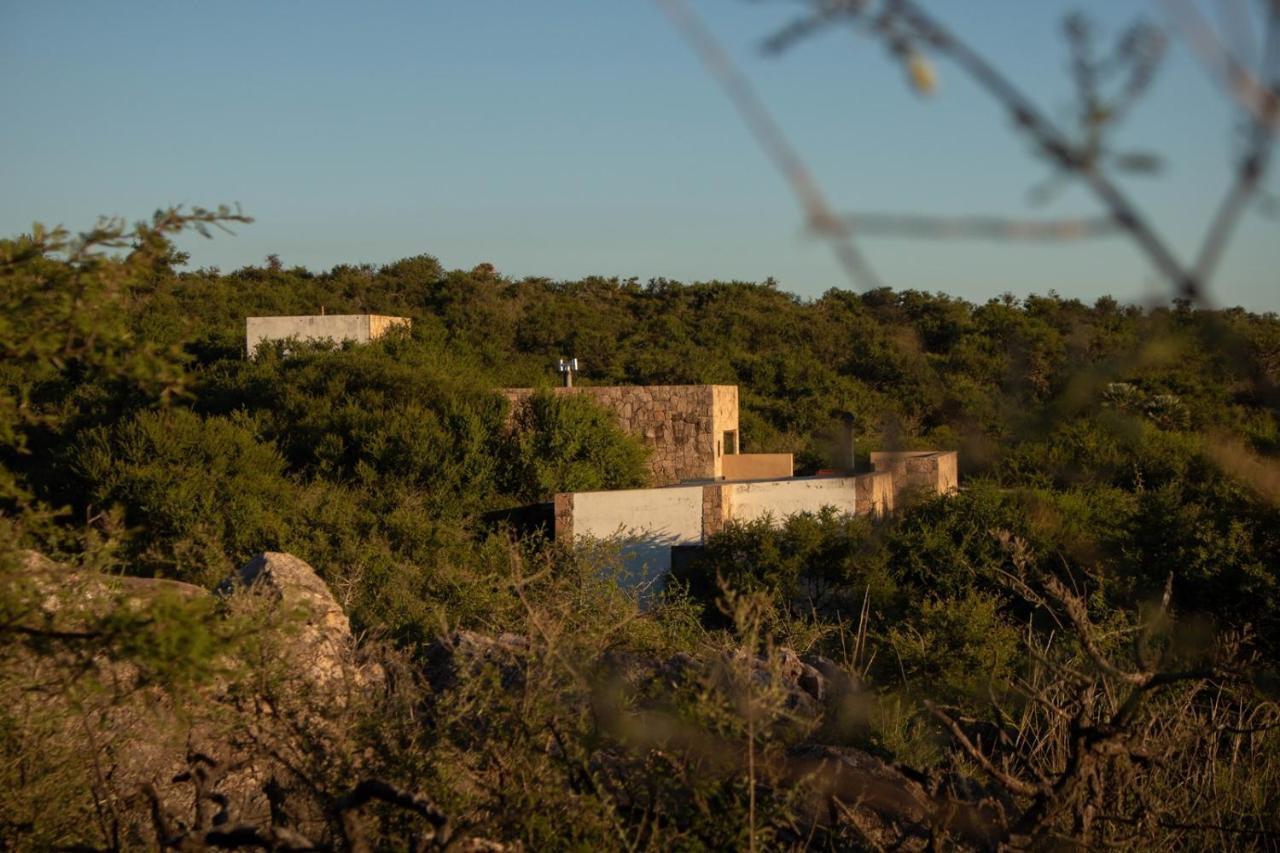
column 568, row 367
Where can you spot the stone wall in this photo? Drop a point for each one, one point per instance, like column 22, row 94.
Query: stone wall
column 564, row 516
column 875, row 493
column 681, row 424
column 717, row 508
column 930, row 471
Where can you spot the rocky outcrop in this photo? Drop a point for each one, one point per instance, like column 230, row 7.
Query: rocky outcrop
column 208, row 755
column 322, row 649
column 465, row 654
column 65, row 597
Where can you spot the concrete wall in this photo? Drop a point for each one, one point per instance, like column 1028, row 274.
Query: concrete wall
column 681, row 424
column 360, row 328
column 781, row 498
column 647, row 522
column 758, row 466
column 650, row 522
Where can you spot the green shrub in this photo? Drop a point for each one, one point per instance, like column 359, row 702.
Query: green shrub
column 201, row 494
column 567, row 443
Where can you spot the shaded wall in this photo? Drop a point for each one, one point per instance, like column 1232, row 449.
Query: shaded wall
column 645, row 522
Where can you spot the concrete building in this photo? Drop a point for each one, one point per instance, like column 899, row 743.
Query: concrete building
column 702, row 484
column 360, row 328
column 648, row 523
column 691, row 430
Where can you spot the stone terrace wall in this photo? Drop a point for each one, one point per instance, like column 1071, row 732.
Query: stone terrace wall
column 932, row 471
column 679, row 423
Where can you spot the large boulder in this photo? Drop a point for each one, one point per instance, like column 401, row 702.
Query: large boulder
column 321, row 648
column 208, row 753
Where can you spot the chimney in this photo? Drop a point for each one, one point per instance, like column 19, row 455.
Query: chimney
column 846, row 452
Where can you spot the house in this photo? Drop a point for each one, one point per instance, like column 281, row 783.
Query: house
column 701, row 481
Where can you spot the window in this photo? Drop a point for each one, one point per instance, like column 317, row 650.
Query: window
column 730, row 442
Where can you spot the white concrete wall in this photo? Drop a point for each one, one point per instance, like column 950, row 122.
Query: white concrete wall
column 646, row 521
column 337, row 327
column 781, row 498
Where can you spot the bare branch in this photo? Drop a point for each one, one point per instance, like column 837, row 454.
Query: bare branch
column 1053, row 143
column 979, row 227
column 1257, row 96
column 770, row 137
column 1011, row 783
column 1256, row 159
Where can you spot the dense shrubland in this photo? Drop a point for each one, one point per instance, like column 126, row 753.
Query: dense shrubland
column 1079, row 647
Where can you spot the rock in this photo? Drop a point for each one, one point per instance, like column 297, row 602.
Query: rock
column 234, row 736
column 323, row 649
column 68, row 596
column 467, row 654
column 297, row 586
column 892, row 809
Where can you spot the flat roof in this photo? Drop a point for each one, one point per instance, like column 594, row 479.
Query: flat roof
column 315, row 316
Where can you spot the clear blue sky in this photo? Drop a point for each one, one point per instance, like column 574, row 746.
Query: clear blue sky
column 570, row 138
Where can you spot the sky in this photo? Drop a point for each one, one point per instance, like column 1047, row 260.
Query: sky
column 580, row 137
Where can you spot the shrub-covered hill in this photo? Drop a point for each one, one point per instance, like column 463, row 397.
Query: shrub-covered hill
column 1089, row 629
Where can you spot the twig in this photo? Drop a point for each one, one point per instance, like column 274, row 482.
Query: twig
column 1011, row 783
column 770, row 137
column 1256, row 159
column 979, row 227
column 1054, row 143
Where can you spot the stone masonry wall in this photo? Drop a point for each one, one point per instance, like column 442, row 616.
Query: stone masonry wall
column 876, row 492
column 717, row 508
column 930, row 471
column 679, row 423
column 564, row 517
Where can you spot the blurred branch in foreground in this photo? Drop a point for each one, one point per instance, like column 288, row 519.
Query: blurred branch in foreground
column 769, row 135
column 1107, row 85
column 979, row 227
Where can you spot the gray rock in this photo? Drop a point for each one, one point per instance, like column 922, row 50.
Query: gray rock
column 323, row 649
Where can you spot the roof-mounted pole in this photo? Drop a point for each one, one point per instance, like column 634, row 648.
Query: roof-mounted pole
column 567, row 368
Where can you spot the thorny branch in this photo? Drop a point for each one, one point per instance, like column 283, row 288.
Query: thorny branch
column 771, row 138
column 906, row 27
column 1096, row 715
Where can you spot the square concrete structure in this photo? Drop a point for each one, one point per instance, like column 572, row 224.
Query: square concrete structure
column 690, row 429
column 360, row 328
